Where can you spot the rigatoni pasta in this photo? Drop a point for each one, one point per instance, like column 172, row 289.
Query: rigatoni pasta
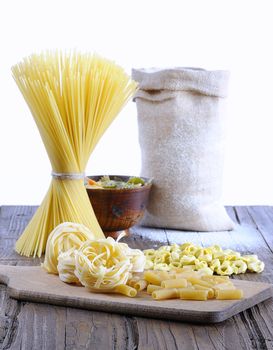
column 194, row 286
column 210, row 290
column 152, row 278
column 174, row 283
column 165, row 293
column 125, row 290
column 141, row 285
column 229, row 294
column 152, row 287
column 193, row 294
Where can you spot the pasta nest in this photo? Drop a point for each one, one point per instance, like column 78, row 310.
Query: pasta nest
column 103, row 264
column 66, row 267
column 66, row 236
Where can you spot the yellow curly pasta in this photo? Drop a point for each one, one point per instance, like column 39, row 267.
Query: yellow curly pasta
column 255, row 266
column 238, row 266
column 66, row 267
column 102, row 265
column 224, row 269
column 137, row 258
column 208, row 260
column 64, row 237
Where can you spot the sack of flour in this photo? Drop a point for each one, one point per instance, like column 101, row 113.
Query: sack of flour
column 181, row 135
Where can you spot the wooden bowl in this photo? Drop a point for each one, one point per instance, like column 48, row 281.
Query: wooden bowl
column 118, row 209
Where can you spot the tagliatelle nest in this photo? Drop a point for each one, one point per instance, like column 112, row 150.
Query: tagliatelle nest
column 66, row 267
column 103, row 264
column 137, row 257
column 66, row 236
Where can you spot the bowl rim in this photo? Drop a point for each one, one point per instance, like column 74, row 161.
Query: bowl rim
column 148, row 184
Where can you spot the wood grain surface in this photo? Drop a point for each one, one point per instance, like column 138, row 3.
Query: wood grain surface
column 26, row 325
column 34, row 284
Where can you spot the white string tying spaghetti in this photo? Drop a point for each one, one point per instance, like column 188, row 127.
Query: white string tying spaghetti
column 67, row 176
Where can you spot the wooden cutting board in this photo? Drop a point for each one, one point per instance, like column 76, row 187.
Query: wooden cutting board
column 33, row 284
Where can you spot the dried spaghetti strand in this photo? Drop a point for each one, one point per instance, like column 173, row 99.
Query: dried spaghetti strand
column 73, row 98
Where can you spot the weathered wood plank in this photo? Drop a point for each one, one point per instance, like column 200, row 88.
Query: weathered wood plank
column 37, row 326
column 249, row 330
column 231, row 213
column 245, row 239
column 9, row 309
column 40, row 326
column 263, row 222
column 234, row 333
column 145, row 237
column 95, row 330
column 13, row 220
column 7, row 253
column 250, row 240
column 156, row 334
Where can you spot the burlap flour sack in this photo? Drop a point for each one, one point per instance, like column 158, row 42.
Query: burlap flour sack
column 181, row 134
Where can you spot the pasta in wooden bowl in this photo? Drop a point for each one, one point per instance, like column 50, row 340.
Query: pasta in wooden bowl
column 116, row 207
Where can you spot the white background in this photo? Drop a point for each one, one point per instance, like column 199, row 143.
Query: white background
column 234, row 35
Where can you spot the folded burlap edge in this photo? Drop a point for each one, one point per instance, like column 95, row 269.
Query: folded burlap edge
column 211, row 83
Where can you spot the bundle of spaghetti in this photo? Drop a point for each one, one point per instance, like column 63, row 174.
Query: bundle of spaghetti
column 73, row 98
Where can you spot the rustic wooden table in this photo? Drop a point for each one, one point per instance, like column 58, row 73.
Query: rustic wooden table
column 25, row 325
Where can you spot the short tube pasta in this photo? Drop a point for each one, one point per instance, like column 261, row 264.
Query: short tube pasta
column 215, row 279
column 140, row 285
column 174, row 283
column 125, row 290
column 152, row 277
column 152, row 287
column 188, row 294
column 132, row 281
column 199, row 281
column 210, row 290
column 223, row 286
column 165, row 293
column 229, row 294
column 165, row 275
